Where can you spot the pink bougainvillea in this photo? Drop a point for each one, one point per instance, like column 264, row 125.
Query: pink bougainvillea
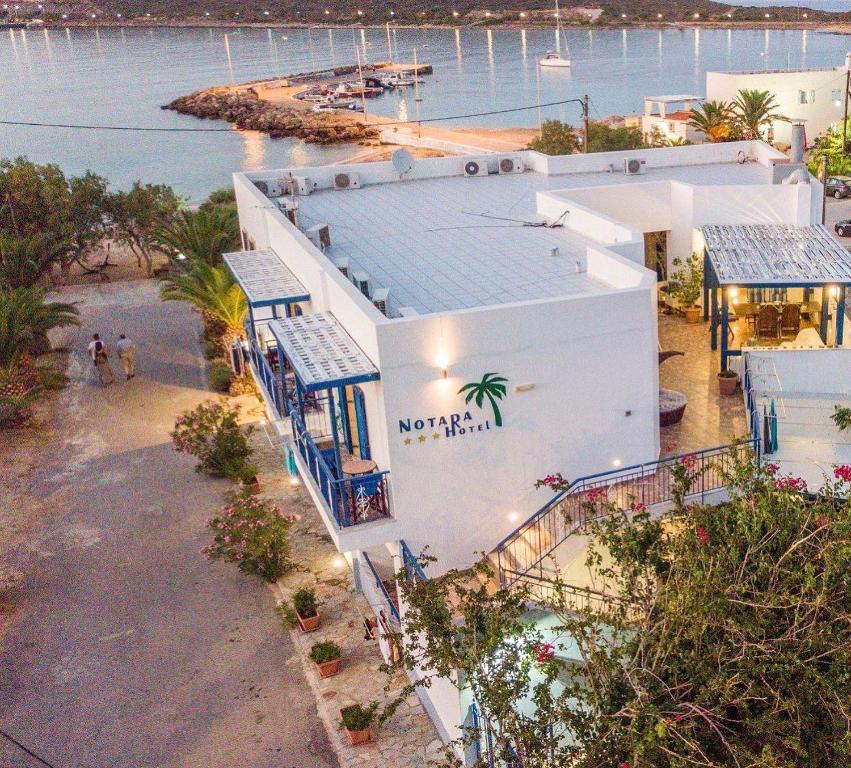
column 790, row 483
column 702, row 534
column 544, row 652
column 843, row 473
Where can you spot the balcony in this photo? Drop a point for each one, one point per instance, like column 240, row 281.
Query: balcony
column 352, row 500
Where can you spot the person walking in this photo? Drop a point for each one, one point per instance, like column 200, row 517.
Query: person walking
column 100, row 357
column 127, row 354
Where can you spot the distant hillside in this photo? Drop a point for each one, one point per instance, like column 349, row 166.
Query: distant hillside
column 482, row 12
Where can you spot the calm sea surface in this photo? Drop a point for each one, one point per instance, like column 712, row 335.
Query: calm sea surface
column 122, row 76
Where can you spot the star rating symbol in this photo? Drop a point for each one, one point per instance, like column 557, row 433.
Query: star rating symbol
column 407, row 441
column 435, row 436
column 422, row 438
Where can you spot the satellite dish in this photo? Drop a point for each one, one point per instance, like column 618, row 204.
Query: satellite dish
column 403, row 161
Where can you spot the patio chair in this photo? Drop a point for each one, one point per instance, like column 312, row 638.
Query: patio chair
column 790, row 320
column 366, row 496
column 768, row 323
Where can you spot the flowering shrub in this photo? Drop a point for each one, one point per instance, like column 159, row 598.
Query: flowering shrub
column 790, row 483
column 843, row 473
column 556, row 482
column 253, row 533
column 702, row 534
column 212, row 435
column 544, row 652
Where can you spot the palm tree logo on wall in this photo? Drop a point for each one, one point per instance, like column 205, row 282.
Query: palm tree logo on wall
column 492, row 387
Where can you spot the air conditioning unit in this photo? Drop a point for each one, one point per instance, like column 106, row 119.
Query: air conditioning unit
column 343, row 266
column 475, row 168
column 381, row 300
column 633, row 166
column 510, row 165
column 288, row 207
column 302, row 185
column 346, row 181
column 361, row 281
column 320, row 236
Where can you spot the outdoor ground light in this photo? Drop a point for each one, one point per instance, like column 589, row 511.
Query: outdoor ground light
column 339, row 562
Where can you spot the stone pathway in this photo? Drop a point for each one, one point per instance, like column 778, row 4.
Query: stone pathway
column 408, row 739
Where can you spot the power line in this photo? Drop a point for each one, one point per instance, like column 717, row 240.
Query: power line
column 79, row 126
column 20, row 746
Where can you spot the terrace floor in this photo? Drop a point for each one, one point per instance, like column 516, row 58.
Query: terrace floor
column 710, row 419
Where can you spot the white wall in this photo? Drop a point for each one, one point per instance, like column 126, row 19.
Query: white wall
column 591, row 359
column 819, row 113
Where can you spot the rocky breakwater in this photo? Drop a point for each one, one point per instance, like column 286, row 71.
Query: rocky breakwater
column 245, row 110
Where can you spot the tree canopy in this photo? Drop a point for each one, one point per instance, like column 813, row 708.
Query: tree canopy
column 721, row 636
column 558, row 138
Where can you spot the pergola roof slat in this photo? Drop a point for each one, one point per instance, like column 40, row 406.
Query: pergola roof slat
column 264, row 278
column 321, row 352
column 776, row 254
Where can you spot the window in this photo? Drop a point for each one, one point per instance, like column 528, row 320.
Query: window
column 812, row 97
column 802, row 97
column 836, row 96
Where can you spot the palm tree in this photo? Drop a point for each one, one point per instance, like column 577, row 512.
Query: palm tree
column 23, row 260
column 714, row 119
column 492, row 387
column 754, row 112
column 211, row 290
column 201, row 235
column 25, row 320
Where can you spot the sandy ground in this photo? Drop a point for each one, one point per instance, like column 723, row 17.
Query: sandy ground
column 128, row 648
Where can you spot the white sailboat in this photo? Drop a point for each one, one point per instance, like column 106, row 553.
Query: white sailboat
column 555, row 58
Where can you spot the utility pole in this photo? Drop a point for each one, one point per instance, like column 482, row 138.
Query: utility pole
column 823, row 178
column 845, row 119
column 585, row 120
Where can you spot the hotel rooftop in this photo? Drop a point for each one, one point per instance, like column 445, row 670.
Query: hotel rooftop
column 438, row 239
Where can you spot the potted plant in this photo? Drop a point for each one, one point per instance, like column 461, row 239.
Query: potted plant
column 326, row 655
column 686, row 284
column 306, row 609
column 357, row 721
column 728, row 381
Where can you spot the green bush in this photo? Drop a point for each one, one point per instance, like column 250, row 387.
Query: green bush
column 253, row 533
column 304, row 602
column 357, row 717
column 325, row 651
column 210, row 432
column 213, row 349
column 220, row 377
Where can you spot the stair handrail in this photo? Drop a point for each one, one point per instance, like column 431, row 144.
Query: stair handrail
column 607, row 478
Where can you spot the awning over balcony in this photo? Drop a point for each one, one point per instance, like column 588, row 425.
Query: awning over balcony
column 321, row 353
column 264, row 278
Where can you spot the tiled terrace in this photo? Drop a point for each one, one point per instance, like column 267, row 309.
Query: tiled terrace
column 710, row 419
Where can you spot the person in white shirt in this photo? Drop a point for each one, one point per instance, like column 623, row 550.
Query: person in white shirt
column 100, row 357
column 127, row 354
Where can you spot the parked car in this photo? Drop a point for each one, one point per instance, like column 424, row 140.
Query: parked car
column 839, row 186
column 843, row 228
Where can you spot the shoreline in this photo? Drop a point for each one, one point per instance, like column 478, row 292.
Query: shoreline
column 828, row 27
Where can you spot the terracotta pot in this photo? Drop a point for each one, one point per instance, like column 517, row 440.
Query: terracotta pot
column 252, row 486
column 727, row 384
column 308, row 623
column 692, row 315
column 328, row 668
column 359, row 737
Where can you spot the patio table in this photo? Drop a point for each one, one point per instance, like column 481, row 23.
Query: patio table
column 353, row 466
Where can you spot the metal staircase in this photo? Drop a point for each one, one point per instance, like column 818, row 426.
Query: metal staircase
column 529, row 552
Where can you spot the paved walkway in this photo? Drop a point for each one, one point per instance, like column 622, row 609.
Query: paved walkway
column 130, row 649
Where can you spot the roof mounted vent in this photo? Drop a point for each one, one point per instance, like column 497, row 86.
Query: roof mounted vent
column 361, row 281
column 320, row 236
column 475, row 168
column 343, row 265
column 381, row 300
column 510, row 165
column 346, row 181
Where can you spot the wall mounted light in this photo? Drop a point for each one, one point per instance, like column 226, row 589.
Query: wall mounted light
column 616, row 462
column 443, row 365
column 833, row 292
column 524, row 387
column 513, row 517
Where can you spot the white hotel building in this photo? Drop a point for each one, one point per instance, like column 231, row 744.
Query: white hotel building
column 380, row 298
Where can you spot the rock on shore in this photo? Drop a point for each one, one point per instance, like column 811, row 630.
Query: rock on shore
column 245, row 110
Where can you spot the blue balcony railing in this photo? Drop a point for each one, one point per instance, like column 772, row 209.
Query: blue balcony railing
column 392, row 605
column 352, row 500
column 413, row 569
column 273, row 391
